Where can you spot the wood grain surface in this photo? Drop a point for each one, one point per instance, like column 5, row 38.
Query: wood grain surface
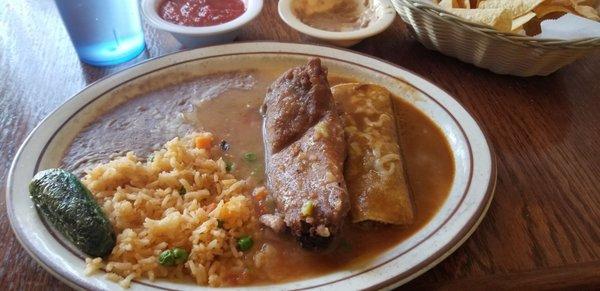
column 542, row 230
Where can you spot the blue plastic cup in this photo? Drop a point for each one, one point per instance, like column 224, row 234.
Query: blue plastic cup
column 104, row 32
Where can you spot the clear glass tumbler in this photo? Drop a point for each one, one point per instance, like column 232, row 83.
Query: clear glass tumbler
column 104, row 32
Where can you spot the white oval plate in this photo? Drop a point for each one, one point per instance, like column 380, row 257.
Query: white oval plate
column 469, row 198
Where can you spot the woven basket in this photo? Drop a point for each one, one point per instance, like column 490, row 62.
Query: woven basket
column 502, row 53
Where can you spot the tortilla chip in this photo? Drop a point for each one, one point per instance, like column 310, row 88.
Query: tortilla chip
column 557, row 2
column 516, row 8
column 520, row 31
column 449, row 4
column 497, row 18
column 587, row 2
column 518, row 22
column 585, row 11
column 544, row 10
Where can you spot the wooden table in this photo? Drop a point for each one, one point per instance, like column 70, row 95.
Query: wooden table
column 542, row 230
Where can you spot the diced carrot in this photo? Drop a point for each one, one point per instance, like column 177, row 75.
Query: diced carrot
column 204, row 141
column 259, row 194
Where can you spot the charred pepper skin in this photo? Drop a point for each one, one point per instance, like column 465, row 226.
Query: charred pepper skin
column 69, row 206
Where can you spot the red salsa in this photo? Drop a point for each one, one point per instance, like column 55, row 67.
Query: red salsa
column 201, row 12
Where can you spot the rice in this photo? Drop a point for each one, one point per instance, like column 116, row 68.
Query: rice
column 177, row 198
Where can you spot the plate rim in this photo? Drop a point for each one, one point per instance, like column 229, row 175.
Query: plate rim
column 457, row 239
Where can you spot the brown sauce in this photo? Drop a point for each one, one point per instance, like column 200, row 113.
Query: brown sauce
column 430, row 170
column 233, row 115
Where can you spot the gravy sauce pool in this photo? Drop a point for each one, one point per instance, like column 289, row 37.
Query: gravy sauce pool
column 232, row 115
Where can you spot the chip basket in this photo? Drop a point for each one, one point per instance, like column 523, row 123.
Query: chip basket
column 502, row 53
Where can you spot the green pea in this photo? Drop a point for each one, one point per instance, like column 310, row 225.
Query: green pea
column 166, row 258
column 250, row 157
column 180, row 255
column 307, row 208
column 245, row 243
column 228, row 166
